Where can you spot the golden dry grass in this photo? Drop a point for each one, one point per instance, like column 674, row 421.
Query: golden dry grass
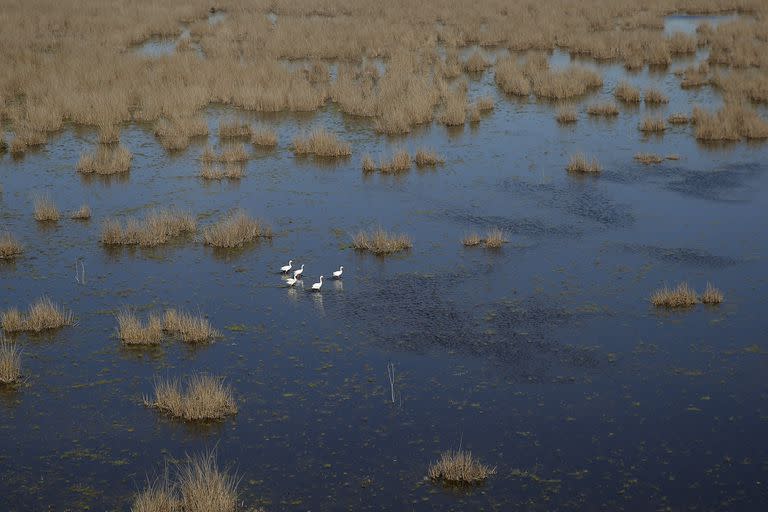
column 579, row 163
column 567, row 115
column 678, row 118
column 236, row 229
column 455, row 113
column 648, row 158
column 495, row 238
column 109, row 134
column 201, row 397
column 381, row 242
column 485, row 103
column 476, row 62
column 132, row 331
column 509, row 78
column 711, row 295
column 627, row 93
column 10, row 248
column 655, row 97
column 157, row 228
column 10, row 362
column 681, row 296
column 106, row 160
column 45, row 209
column 459, row 467
column 160, row 495
column 41, row 315
column 471, row 240
column 218, row 172
column 82, row 213
column 730, row 123
column 368, row 164
column 175, row 131
column 652, row 124
column 190, row 328
column 232, row 128
column 322, row 143
column 400, row 162
column 263, row 136
column 605, row 109
column 427, row 158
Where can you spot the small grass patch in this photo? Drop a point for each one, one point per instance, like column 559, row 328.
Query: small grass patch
column 157, row 228
column 678, row 118
column 627, row 93
column 218, row 172
column 459, row 467
column 649, row 158
column 711, row 295
column 236, row 229
column 106, row 160
column 580, row 164
column 681, row 296
column 42, row 315
column 10, row 248
column 321, row 143
column 232, row 129
column 82, row 213
column 476, row 63
column 201, row 397
column 400, row 162
column 605, row 109
column 381, row 242
column 567, row 115
column 495, row 238
column 132, row 331
column 265, row 137
column 190, row 328
column 45, row 209
column 472, row 240
column 655, row 97
column 10, row 362
column 652, row 124
column 427, row 158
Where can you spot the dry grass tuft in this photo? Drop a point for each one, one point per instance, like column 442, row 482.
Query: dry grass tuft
column 606, row 109
column 368, row 164
column 427, row 158
column 381, row 242
column 203, row 397
column 191, row 328
column 627, row 93
column 648, row 158
column 10, row 362
column 400, row 162
column 109, row 134
column 711, row 295
column 655, row 96
column 265, row 137
column 131, row 330
column 455, row 113
column 652, row 124
column 230, row 171
column 511, row 79
column 476, row 63
column 158, row 496
column 45, row 209
column 459, row 467
column 321, row 143
column 233, row 154
column 10, row 248
column 730, row 123
column 106, row 160
column 175, row 132
column 41, row 316
column 567, row 115
column 485, row 103
column 235, row 230
column 157, row 228
column 495, row 238
column 579, row 163
column 233, row 129
column 678, row 118
column 471, row 240
column 681, row 296
column 82, row 213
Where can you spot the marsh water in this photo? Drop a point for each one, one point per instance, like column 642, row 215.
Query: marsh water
column 544, row 358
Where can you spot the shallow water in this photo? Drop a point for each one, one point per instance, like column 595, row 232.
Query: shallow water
column 544, row 358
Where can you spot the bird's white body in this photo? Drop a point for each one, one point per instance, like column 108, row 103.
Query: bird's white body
column 291, row 281
column 337, row 274
column 297, row 273
column 287, row 267
column 316, row 286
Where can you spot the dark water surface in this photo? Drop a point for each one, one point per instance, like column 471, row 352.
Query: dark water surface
column 544, row 358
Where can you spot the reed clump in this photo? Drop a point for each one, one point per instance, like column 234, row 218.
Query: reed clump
column 82, row 213
column 199, row 486
column 455, row 113
column 235, row 230
column 381, row 242
column 579, row 163
column 176, row 131
column 510, row 78
column 45, row 209
column 606, row 109
column 681, row 296
column 400, row 162
column 10, row 248
column 106, row 160
column 157, row 228
column 627, row 93
column 109, row 134
column 427, row 158
column 459, row 467
column 485, row 103
column 42, row 315
column 471, row 240
column 10, row 362
column 265, row 137
column 649, row 158
column 201, row 397
column 730, row 123
column 652, row 124
column 190, row 328
column 655, row 97
column 711, row 295
column 495, row 238
column 476, row 63
column 368, row 164
column 678, row 118
column 218, row 172
column 233, row 129
column 321, row 143
column 132, row 331
column 567, row 115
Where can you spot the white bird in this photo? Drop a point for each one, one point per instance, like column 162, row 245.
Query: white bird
column 291, row 281
column 316, row 286
column 337, row 274
column 287, row 267
column 297, row 273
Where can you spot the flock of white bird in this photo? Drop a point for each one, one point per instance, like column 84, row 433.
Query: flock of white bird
column 300, row 271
